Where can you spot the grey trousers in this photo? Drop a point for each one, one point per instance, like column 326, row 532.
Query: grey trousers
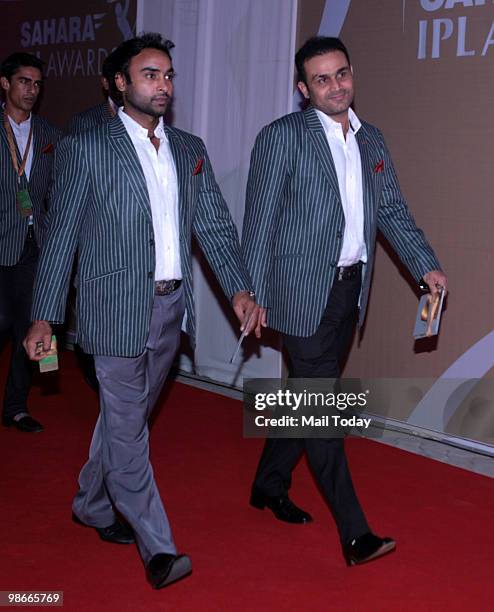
column 118, row 474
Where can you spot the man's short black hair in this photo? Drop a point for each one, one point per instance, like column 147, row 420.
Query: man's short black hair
column 108, row 71
column 13, row 62
column 108, row 67
column 317, row 45
column 132, row 47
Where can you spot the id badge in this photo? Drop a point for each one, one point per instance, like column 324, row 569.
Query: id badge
column 50, row 362
column 24, row 204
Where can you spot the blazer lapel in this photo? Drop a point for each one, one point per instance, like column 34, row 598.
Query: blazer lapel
column 319, row 141
column 367, row 163
column 2, row 130
column 182, row 164
column 4, row 135
column 124, row 149
column 38, row 143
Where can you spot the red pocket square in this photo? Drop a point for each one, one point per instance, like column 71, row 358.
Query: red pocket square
column 198, row 168
column 48, row 149
column 379, row 167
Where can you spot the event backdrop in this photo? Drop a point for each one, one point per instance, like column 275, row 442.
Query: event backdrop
column 73, row 39
column 423, row 72
column 423, row 76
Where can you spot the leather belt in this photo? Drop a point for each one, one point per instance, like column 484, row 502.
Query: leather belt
column 348, row 272
column 165, row 287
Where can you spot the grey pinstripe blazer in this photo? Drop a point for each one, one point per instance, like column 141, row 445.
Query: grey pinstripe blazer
column 294, row 221
column 13, row 228
column 89, row 118
column 101, row 207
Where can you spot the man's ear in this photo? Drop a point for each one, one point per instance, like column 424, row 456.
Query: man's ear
column 304, row 90
column 120, row 82
column 4, row 82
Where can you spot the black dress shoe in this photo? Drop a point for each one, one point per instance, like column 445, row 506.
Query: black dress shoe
column 25, row 423
column 366, row 548
column 281, row 506
column 117, row 533
column 163, row 569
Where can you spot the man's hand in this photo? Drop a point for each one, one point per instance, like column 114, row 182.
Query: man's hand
column 38, row 340
column 436, row 280
column 247, row 312
column 261, row 321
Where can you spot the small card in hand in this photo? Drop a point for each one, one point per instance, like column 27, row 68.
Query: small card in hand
column 428, row 315
column 50, row 361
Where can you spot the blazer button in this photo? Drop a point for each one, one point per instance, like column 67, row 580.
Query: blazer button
column 339, row 235
column 150, row 275
column 151, row 242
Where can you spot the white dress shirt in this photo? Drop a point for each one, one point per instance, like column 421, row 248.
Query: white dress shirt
column 21, row 134
column 346, row 157
column 161, row 180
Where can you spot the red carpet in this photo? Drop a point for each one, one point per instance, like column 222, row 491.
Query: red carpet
column 243, row 559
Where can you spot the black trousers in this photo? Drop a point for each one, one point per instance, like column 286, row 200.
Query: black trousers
column 16, row 290
column 320, row 356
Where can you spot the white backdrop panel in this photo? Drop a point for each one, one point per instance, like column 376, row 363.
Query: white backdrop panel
column 234, row 60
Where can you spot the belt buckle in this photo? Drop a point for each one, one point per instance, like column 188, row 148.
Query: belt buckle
column 165, row 287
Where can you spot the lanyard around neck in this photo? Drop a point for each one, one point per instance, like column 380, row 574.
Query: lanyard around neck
column 13, row 153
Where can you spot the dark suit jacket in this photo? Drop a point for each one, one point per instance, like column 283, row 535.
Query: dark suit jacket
column 89, row 118
column 294, row 221
column 101, row 207
column 13, row 228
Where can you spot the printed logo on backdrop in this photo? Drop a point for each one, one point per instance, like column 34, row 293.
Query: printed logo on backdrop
column 76, row 42
column 445, row 28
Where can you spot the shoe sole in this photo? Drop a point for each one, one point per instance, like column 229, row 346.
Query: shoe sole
column 380, row 552
column 181, row 568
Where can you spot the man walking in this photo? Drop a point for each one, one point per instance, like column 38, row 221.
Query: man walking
column 129, row 195
column 26, row 162
column 321, row 184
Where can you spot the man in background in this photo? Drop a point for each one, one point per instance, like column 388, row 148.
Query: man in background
column 26, row 162
column 104, row 111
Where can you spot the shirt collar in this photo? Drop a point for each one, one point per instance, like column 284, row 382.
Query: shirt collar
column 332, row 127
column 135, row 130
column 23, row 125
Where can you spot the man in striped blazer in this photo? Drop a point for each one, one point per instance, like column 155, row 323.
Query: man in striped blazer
column 128, row 196
column 26, row 160
column 321, row 184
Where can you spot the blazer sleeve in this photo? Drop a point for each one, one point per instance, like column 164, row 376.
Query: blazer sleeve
column 69, row 199
column 398, row 225
column 268, row 175
column 217, row 235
